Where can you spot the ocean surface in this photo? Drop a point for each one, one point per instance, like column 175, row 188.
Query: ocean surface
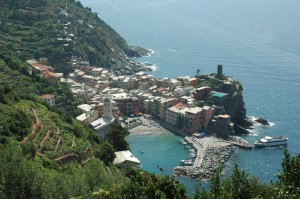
column 257, row 42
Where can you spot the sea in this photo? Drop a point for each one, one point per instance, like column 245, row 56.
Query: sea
column 257, row 42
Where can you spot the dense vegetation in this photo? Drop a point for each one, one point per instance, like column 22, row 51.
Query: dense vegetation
column 57, row 30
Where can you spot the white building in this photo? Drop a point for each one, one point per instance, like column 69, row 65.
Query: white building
column 126, row 159
column 101, row 125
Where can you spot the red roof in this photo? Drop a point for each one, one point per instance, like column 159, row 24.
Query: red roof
column 47, row 96
column 41, row 67
column 47, row 74
column 160, row 89
column 180, row 105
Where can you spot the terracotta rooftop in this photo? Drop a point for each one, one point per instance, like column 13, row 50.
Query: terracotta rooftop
column 47, row 74
column 160, row 89
column 47, row 96
column 41, row 67
column 180, row 105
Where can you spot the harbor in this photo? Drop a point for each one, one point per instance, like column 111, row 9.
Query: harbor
column 204, row 154
column 212, row 153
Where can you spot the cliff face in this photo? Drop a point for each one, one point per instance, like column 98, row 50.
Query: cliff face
column 235, row 107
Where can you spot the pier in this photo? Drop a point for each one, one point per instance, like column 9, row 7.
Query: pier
column 199, row 147
column 212, row 153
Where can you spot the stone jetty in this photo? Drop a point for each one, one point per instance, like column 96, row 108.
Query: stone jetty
column 212, row 153
column 214, row 157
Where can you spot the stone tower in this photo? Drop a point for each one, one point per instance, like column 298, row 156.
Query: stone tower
column 220, row 72
column 107, row 115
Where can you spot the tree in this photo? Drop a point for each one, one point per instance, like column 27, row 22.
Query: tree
column 241, row 186
column 29, row 150
column 288, row 185
column 106, row 153
column 143, row 185
column 215, row 186
column 117, row 137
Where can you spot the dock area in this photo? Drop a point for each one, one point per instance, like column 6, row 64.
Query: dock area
column 201, row 144
column 199, row 147
column 212, row 152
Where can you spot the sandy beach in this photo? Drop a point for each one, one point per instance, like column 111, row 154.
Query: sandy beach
column 148, row 127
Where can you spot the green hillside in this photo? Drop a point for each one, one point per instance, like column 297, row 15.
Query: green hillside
column 58, row 29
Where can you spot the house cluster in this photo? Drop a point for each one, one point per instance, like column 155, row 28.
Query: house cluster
column 106, row 96
column 40, row 67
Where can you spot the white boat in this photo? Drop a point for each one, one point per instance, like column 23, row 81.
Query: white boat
column 186, row 162
column 192, row 155
column 182, row 141
column 271, row 141
column 192, row 150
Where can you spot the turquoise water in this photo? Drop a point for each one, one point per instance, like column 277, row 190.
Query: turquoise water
column 257, row 42
column 159, row 149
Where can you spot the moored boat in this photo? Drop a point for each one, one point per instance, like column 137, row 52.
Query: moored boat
column 182, row 141
column 186, row 162
column 192, row 155
column 192, row 150
column 271, row 141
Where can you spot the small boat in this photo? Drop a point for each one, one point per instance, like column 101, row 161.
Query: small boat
column 182, row 141
column 271, row 141
column 192, row 155
column 187, row 146
column 142, row 152
column 186, row 162
column 192, row 150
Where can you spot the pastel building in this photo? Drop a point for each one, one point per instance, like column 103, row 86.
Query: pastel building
column 208, row 113
column 173, row 113
column 202, row 92
column 127, row 104
column 190, row 120
column 50, row 99
column 89, row 113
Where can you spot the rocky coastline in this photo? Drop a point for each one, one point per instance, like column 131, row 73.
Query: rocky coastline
column 214, row 158
column 124, row 65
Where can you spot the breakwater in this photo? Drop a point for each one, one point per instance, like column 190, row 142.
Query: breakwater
column 212, row 153
column 213, row 158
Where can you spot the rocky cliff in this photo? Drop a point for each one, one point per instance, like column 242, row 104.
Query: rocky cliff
column 235, row 107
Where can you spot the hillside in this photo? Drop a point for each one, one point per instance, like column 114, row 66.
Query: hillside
column 61, row 29
column 25, row 117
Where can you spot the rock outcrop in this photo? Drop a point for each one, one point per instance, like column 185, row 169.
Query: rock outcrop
column 235, row 107
column 262, row 121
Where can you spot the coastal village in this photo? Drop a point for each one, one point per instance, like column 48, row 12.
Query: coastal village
column 134, row 100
